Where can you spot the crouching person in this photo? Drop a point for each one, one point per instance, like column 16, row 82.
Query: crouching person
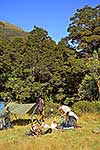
column 71, row 117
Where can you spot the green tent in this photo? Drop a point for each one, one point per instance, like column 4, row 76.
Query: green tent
column 20, row 109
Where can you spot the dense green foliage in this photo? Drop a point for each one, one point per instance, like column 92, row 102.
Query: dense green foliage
column 35, row 64
column 82, row 107
column 85, row 28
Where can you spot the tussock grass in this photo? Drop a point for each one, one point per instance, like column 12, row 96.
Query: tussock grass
column 80, row 138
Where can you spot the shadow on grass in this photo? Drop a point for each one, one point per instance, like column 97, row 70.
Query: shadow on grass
column 21, row 122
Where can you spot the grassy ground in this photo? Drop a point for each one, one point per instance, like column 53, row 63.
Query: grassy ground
column 80, row 138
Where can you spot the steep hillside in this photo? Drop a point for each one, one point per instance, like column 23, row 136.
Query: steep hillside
column 8, row 30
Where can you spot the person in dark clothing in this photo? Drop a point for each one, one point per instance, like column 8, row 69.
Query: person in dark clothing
column 7, row 122
column 41, row 107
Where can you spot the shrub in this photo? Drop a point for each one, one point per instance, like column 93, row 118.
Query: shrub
column 88, row 89
column 69, row 101
column 86, row 107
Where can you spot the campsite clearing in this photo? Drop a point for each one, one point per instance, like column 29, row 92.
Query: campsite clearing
column 80, row 138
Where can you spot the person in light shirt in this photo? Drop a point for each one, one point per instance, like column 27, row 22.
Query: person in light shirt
column 71, row 117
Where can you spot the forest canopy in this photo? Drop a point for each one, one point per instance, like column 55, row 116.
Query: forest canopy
column 65, row 72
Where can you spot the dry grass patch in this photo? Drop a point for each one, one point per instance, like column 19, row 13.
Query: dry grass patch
column 81, row 138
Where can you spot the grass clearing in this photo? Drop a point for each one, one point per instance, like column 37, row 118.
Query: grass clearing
column 78, row 139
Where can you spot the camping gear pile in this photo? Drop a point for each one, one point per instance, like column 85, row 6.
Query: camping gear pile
column 38, row 128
